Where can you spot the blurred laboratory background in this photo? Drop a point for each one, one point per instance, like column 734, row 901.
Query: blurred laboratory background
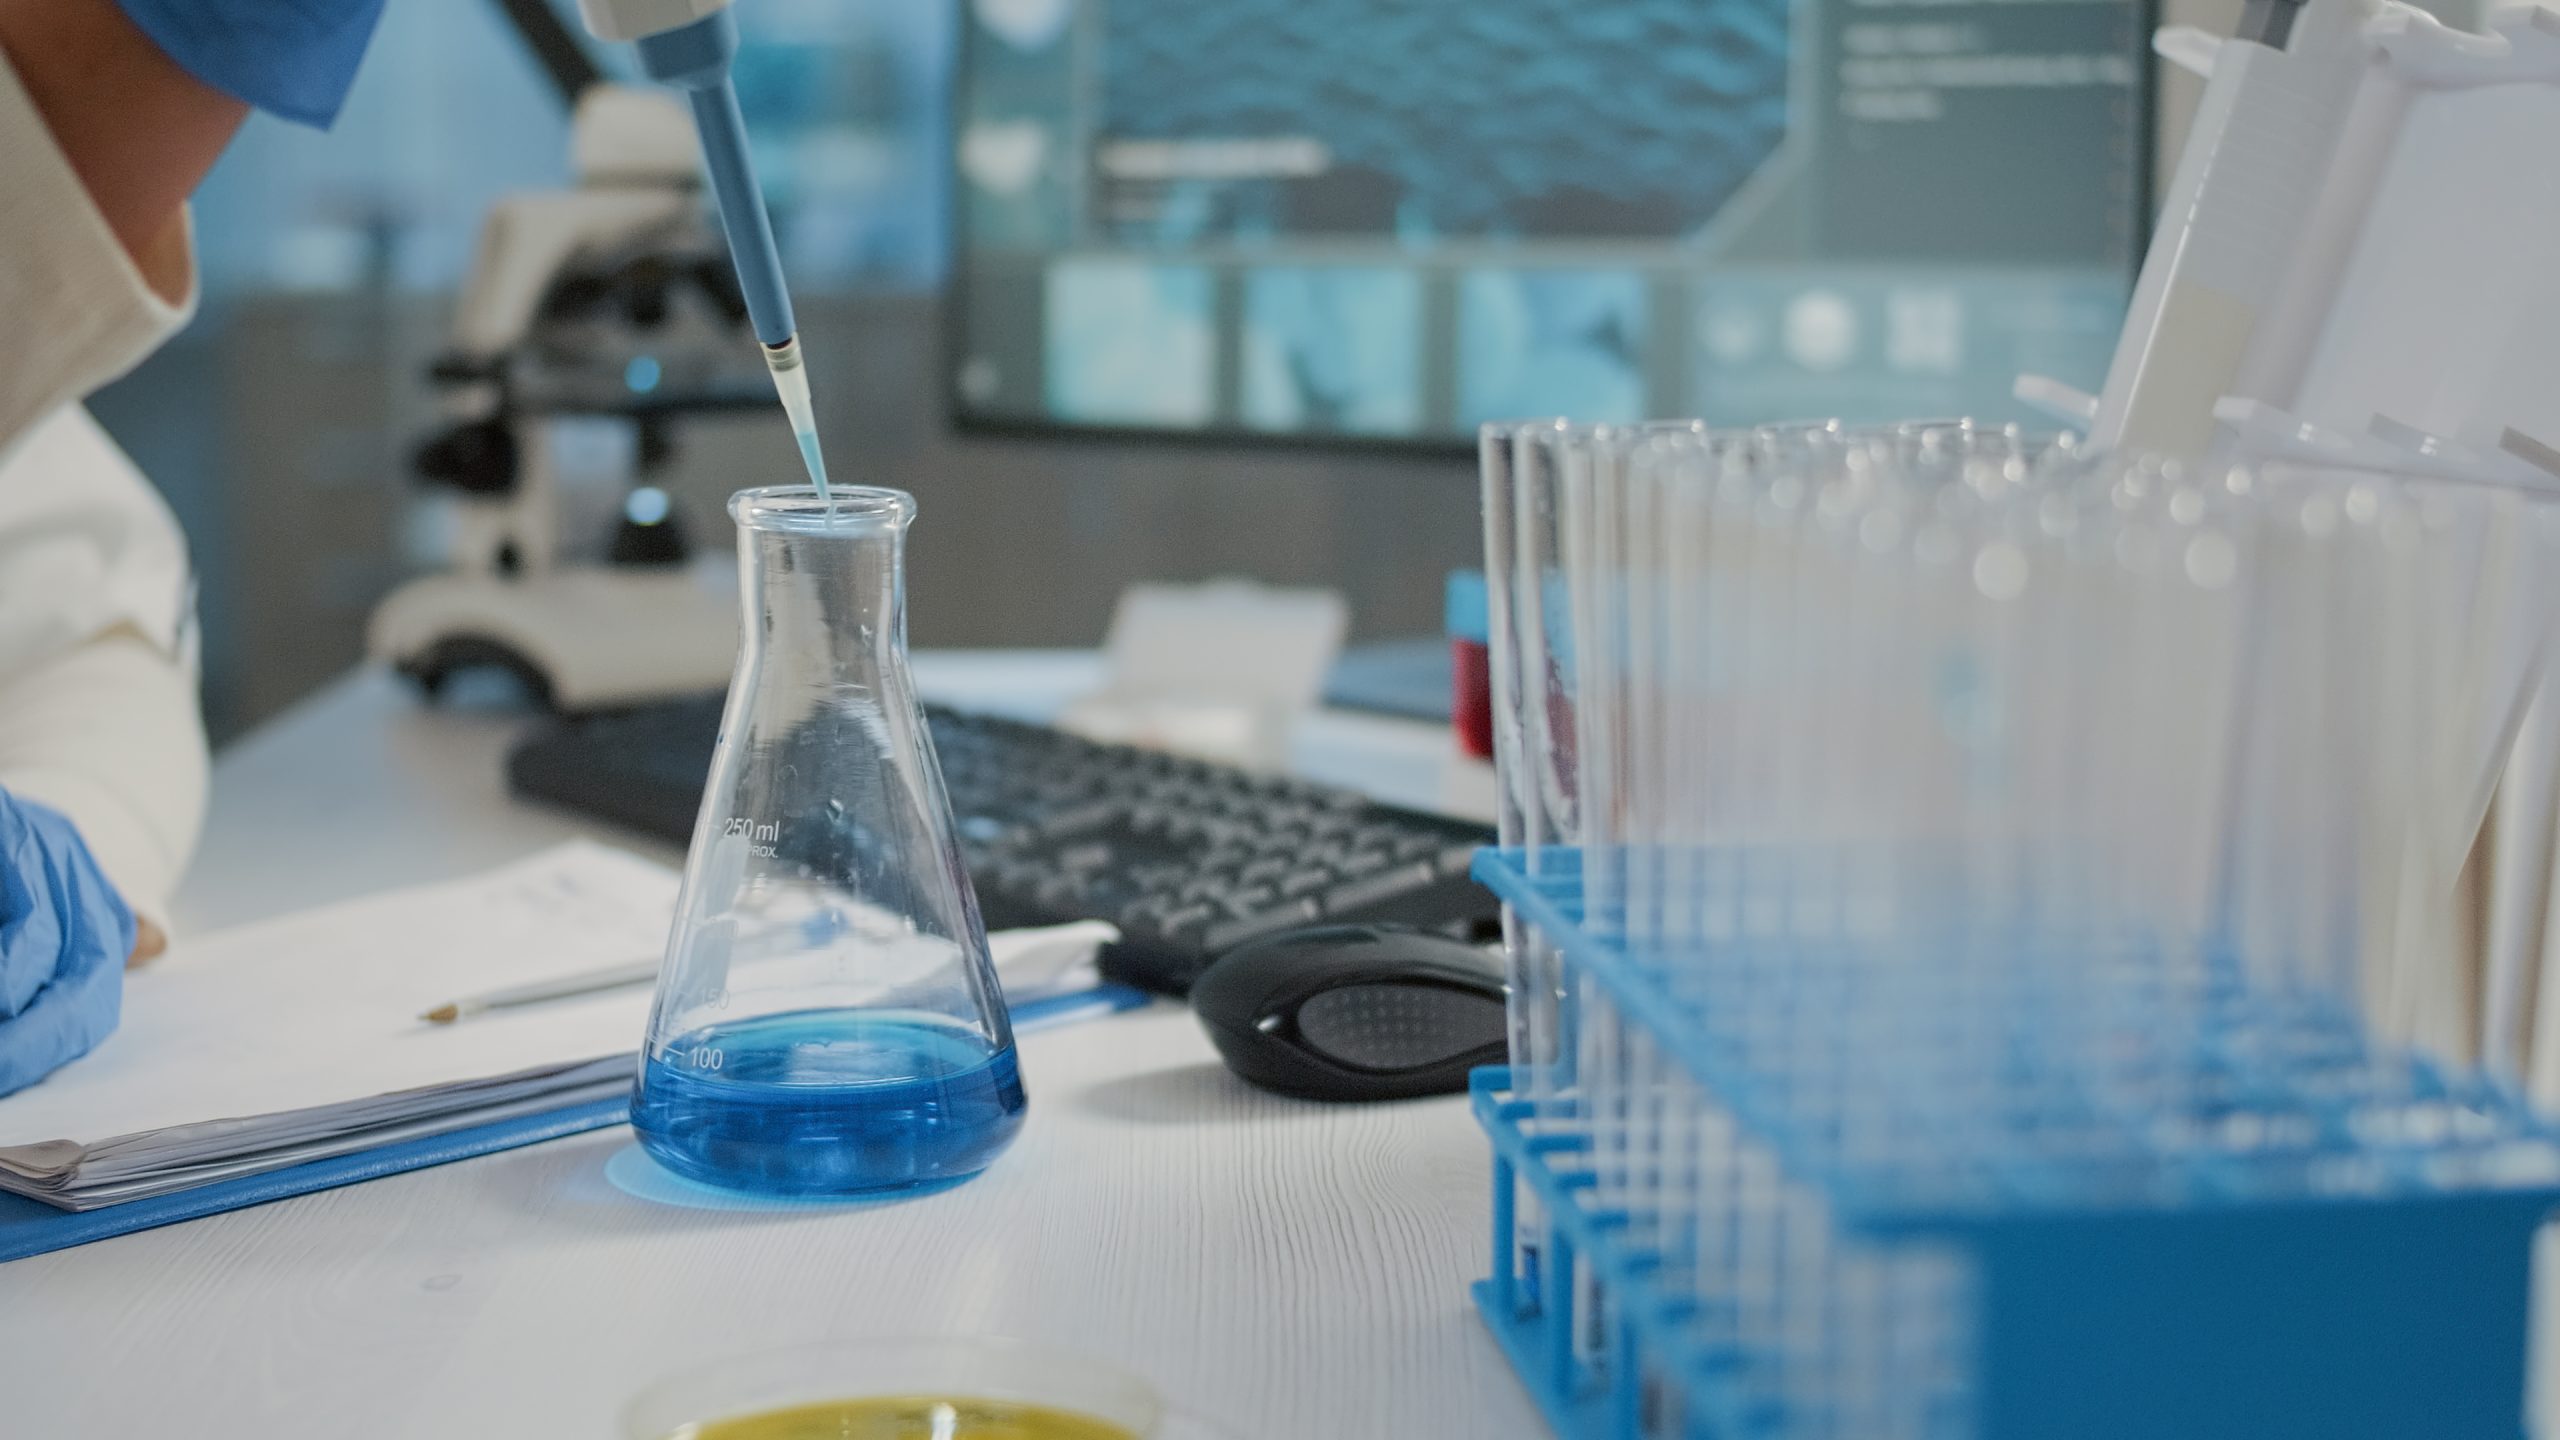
column 1142, row 290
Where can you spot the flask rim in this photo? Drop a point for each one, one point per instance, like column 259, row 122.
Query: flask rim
column 798, row 510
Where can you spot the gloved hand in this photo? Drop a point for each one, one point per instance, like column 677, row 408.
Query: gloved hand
column 291, row 58
column 64, row 936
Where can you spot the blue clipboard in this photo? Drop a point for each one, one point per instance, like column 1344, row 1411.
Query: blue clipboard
column 31, row 1227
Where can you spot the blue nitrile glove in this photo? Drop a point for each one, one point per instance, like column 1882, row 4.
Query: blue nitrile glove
column 64, row 936
column 291, row 58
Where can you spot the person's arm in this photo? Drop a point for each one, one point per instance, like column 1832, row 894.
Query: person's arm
column 76, row 308
column 98, row 711
column 138, row 130
column 102, row 753
column 108, row 735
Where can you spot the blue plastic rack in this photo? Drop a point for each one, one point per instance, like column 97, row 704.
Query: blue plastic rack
column 1831, row 1197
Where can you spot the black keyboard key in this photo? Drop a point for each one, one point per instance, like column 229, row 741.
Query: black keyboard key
column 1082, row 859
column 1266, row 870
column 1415, row 847
column 1188, row 917
column 1224, row 937
column 1370, row 889
column 1077, row 819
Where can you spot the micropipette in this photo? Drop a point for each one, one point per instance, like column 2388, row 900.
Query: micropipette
column 689, row 44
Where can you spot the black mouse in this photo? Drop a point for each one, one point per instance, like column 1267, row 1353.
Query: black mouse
column 1354, row 1012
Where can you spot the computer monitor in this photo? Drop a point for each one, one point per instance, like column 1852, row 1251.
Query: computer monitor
column 1391, row 220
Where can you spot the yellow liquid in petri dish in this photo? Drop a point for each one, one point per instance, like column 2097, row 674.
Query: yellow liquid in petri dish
column 910, row 1417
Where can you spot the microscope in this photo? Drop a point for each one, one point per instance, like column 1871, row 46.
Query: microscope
column 613, row 302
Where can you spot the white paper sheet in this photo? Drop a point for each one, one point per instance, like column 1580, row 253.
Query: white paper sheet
column 322, row 1007
column 297, row 1037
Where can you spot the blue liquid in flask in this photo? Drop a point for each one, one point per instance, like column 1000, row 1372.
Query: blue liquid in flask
column 827, row 1102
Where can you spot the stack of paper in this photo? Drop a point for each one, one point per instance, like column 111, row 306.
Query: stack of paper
column 297, row 1039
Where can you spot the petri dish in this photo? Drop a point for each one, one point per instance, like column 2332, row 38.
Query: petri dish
column 972, row 1388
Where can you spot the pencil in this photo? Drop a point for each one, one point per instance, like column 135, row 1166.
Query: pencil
column 562, row 987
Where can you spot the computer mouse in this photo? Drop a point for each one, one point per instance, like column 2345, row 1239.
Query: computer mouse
column 1354, row 1012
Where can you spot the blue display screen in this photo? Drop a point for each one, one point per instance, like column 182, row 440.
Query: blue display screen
column 1395, row 219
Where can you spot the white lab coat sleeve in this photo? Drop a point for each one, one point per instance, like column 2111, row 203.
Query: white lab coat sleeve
column 75, row 312
column 98, row 710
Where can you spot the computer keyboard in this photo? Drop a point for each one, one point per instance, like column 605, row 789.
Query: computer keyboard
column 1187, row 857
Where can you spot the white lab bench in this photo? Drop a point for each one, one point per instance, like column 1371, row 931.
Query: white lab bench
column 1298, row 1272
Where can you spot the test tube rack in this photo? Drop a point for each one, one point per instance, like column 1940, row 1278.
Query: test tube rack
column 2278, row 1225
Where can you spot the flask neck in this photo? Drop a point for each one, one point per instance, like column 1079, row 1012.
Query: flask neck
column 826, row 594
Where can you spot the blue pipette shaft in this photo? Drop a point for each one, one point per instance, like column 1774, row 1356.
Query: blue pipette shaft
column 742, row 212
column 696, row 59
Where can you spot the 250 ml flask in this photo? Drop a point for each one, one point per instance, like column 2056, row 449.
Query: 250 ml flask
column 827, row 1019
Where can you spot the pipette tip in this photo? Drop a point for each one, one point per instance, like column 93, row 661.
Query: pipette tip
column 792, row 383
column 816, row 462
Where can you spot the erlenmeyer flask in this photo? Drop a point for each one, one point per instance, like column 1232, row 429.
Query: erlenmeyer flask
column 827, row 1018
